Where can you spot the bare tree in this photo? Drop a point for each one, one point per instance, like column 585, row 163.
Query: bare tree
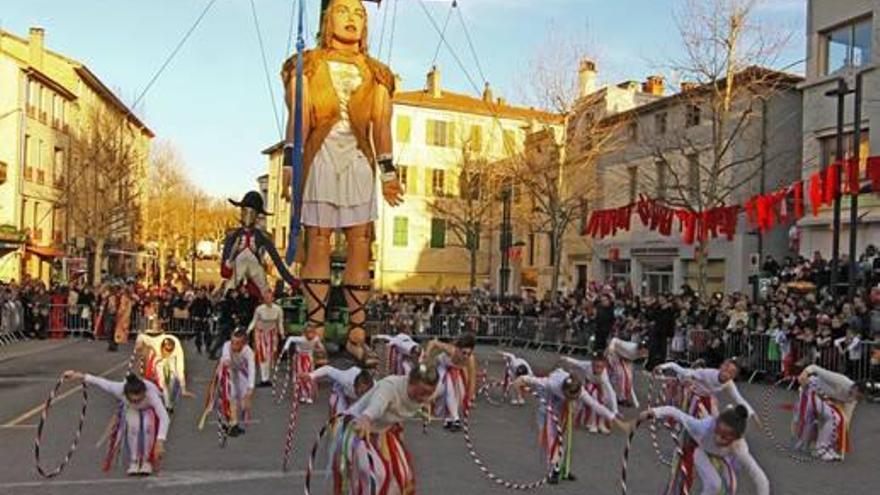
column 102, row 195
column 554, row 179
column 469, row 214
column 715, row 156
column 168, row 199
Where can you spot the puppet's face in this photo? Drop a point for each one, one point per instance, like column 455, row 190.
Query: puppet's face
column 348, row 19
column 248, row 217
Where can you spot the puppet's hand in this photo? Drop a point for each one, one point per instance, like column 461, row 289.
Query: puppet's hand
column 393, row 192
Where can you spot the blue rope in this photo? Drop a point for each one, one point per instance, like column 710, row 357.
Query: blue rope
column 297, row 159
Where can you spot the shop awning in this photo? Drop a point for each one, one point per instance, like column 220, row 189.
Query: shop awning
column 46, row 251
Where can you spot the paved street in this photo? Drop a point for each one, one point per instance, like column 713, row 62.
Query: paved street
column 195, row 465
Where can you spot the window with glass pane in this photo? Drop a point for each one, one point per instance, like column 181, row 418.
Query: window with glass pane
column 438, row 182
column 633, row 187
column 692, row 116
column 661, row 179
column 693, row 161
column 473, row 237
column 660, row 123
column 438, row 233
column 401, row 232
column 404, row 129
column 438, row 133
column 848, row 46
column 469, row 186
column 509, row 139
column 475, row 141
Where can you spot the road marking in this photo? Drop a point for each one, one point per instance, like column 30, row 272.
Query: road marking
column 18, row 427
column 38, row 350
column 167, row 479
column 38, row 409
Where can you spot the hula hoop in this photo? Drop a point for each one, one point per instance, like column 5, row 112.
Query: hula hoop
column 279, row 387
column 307, row 488
column 655, row 398
column 624, row 465
column 498, row 480
column 291, row 427
column 766, row 412
column 39, row 437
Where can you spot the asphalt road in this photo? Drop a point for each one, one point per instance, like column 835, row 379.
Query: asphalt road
column 505, row 436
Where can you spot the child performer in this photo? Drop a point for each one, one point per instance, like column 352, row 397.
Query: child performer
column 403, row 352
column 598, row 386
column 141, row 426
column 515, row 367
column 234, row 382
column 348, row 385
column 267, row 326
column 168, row 373
column 306, row 348
column 700, row 395
column 564, row 393
column 621, row 354
column 377, row 454
column 823, row 413
column 457, row 367
column 720, row 449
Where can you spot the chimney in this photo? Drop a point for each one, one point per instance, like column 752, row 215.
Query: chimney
column 653, row 85
column 36, row 35
column 688, row 85
column 434, row 83
column 487, row 93
column 586, row 78
column 501, row 102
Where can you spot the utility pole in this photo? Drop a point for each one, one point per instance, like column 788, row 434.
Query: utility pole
column 504, row 272
column 854, row 195
column 841, row 92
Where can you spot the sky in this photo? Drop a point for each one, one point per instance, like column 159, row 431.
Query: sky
column 212, row 102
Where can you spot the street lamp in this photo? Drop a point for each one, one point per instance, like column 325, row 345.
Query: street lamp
column 840, row 93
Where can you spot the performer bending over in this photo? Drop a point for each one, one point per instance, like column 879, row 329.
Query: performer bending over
column 307, row 349
column 702, row 386
column 720, row 449
column 457, row 367
column 377, row 453
column 564, row 393
column 823, row 413
column 598, row 386
column 403, row 352
column 168, row 372
column 621, row 354
column 234, row 382
column 141, row 425
column 515, row 367
column 267, row 326
column 348, row 385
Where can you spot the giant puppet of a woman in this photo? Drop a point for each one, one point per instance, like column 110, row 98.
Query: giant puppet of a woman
column 347, row 134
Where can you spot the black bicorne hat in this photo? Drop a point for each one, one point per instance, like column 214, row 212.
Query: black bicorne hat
column 252, row 200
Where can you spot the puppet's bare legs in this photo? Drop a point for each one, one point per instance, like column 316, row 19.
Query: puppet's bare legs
column 357, row 287
column 316, row 276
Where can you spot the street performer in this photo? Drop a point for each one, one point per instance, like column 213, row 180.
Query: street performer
column 267, row 326
column 823, row 412
column 346, row 126
column 347, row 385
column 376, row 453
column 141, row 424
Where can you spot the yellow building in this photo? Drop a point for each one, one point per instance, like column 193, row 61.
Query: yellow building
column 415, row 251
column 45, row 98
